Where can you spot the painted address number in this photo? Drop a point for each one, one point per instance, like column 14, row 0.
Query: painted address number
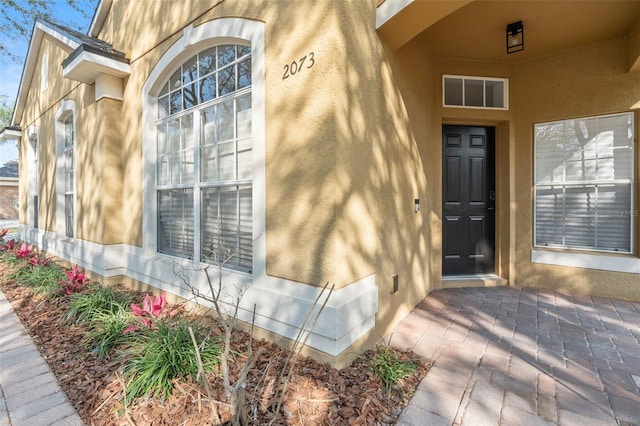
column 307, row 61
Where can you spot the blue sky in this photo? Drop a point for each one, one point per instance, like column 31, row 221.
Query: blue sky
column 12, row 71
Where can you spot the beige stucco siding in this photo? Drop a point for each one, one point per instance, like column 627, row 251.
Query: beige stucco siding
column 324, row 126
column 591, row 80
column 343, row 166
column 351, row 139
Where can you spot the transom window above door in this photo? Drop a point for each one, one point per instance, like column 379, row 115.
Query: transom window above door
column 475, row 92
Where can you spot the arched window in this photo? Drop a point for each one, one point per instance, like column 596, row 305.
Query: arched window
column 204, row 159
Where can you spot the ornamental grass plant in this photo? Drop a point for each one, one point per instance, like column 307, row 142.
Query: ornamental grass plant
column 389, row 367
column 97, row 301
column 155, row 356
column 42, row 279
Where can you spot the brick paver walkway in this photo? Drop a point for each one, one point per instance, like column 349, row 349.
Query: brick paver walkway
column 518, row 356
column 29, row 392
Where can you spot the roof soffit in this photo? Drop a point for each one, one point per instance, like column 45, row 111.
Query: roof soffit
column 399, row 21
column 476, row 31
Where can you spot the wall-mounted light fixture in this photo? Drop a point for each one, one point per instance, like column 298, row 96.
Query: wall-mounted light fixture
column 416, row 205
column 515, row 37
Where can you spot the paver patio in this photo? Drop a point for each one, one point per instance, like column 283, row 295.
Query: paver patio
column 520, row 356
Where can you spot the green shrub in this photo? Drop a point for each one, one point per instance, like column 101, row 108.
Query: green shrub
column 83, row 307
column 106, row 330
column 156, row 356
column 42, row 279
column 389, row 368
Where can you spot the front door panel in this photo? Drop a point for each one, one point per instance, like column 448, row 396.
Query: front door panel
column 468, row 200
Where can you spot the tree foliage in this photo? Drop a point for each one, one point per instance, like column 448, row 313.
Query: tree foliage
column 5, row 112
column 18, row 16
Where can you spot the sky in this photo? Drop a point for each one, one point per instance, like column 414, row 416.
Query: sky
column 12, row 71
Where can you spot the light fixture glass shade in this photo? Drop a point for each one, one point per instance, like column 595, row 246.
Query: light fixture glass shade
column 515, row 37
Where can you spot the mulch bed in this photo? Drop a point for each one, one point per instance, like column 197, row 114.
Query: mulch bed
column 317, row 394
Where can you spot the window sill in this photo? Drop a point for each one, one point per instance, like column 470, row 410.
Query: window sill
column 604, row 262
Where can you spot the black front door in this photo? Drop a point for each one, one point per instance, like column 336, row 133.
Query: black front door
column 468, row 200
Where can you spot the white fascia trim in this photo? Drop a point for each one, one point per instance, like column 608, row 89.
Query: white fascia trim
column 73, row 44
column 9, row 134
column 87, row 66
column 99, row 17
column 603, row 262
column 281, row 305
column 388, row 9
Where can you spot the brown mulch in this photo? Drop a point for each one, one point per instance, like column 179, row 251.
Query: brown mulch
column 317, row 394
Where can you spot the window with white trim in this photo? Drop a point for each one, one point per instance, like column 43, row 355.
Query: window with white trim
column 204, row 159
column 69, row 176
column 584, row 172
column 34, row 185
column 475, row 92
column 65, row 145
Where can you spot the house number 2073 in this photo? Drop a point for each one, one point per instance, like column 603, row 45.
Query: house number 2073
column 307, row 61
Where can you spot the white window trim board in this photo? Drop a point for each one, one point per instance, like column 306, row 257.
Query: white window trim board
column 67, row 107
column 619, row 263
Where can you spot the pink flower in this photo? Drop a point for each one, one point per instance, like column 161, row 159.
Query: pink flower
column 24, row 252
column 77, row 281
column 76, row 276
column 151, row 309
column 3, row 232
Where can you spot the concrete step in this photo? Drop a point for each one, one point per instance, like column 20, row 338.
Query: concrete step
column 460, row 281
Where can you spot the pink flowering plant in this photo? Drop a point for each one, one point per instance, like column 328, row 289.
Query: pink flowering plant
column 6, row 246
column 151, row 310
column 25, row 252
column 10, row 245
column 40, row 260
column 76, row 282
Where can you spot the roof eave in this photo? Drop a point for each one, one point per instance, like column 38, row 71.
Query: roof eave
column 100, row 15
column 11, row 133
column 86, row 65
column 39, row 29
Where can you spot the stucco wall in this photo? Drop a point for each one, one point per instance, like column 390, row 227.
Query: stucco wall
column 350, row 143
column 591, row 80
column 343, row 166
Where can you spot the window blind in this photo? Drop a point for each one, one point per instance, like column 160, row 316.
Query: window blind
column 584, row 183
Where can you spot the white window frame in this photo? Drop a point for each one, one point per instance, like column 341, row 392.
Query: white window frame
column 505, row 94
column 196, row 39
column 193, row 181
column 34, row 184
column 632, row 213
column 67, row 109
